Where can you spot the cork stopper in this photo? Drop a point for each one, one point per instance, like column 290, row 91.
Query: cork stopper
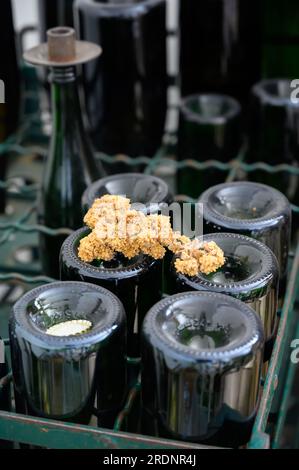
column 61, row 44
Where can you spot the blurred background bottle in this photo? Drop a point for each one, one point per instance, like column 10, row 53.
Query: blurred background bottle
column 126, row 88
column 220, row 46
column 280, row 39
column 209, row 129
column 53, row 13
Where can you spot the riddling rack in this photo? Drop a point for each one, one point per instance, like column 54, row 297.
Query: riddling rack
column 18, row 428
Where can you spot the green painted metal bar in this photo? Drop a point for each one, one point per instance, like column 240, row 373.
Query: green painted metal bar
column 258, row 438
column 27, row 279
column 57, row 435
column 285, row 400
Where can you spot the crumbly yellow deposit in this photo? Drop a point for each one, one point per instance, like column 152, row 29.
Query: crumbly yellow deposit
column 116, row 228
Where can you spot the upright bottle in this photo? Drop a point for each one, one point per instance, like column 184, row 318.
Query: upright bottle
column 126, row 90
column 209, row 128
column 220, row 46
column 10, row 84
column 53, row 13
column 280, row 38
column 274, row 134
column 70, row 165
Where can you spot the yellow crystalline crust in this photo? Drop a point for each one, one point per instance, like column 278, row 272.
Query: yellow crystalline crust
column 118, row 229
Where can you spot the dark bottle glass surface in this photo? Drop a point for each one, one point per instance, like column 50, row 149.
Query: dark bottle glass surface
column 274, row 134
column 220, row 46
column 274, row 123
column 201, row 361
column 126, row 89
column 52, row 13
column 251, row 209
column 66, row 377
column 70, row 167
column 280, row 38
column 10, row 87
column 250, row 274
column 136, row 282
column 209, row 128
column 148, row 190
column 5, row 398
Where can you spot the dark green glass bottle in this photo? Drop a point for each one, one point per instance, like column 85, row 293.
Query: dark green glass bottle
column 274, row 134
column 136, row 282
column 220, row 48
column 10, row 85
column 209, row 129
column 53, row 13
column 70, row 166
column 254, row 210
column 280, row 38
column 148, row 190
column 250, row 274
column 201, row 361
column 274, row 123
column 69, row 378
column 126, row 89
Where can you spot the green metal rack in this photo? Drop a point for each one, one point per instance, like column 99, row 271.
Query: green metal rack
column 21, row 228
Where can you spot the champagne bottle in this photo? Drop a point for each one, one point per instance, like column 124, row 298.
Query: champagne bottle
column 209, row 128
column 201, row 361
column 65, row 377
column 70, row 165
column 10, row 85
column 137, row 282
column 126, row 90
column 280, row 39
column 220, row 46
column 148, row 190
column 251, row 209
column 274, row 134
column 53, row 13
column 250, row 274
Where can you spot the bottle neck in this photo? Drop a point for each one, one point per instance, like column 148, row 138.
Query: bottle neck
column 67, row 115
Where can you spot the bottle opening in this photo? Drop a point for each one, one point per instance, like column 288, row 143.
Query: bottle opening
column 243, row 202
column 59, row 310
column 202, row 323
column 210, row 108
column 275, row 89
column 138, row 188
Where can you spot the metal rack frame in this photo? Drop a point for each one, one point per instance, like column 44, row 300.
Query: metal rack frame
column 55, row 434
